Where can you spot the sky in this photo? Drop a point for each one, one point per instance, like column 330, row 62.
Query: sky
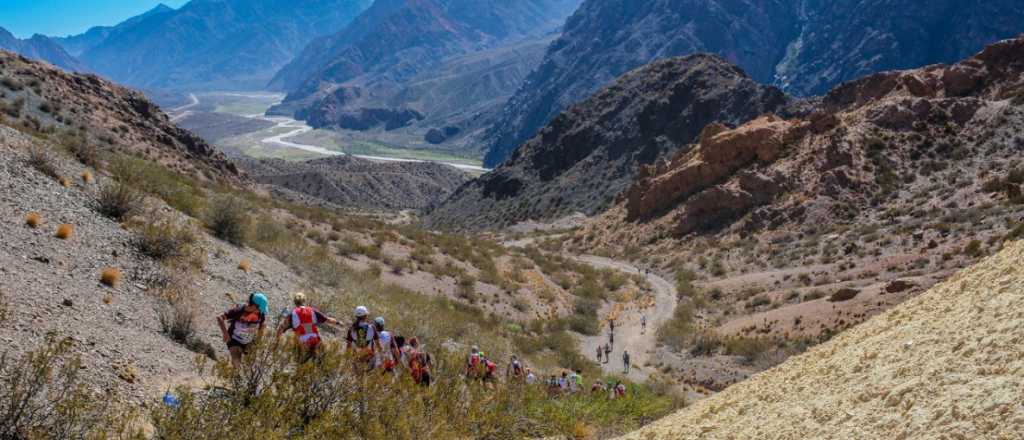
column 58, row 18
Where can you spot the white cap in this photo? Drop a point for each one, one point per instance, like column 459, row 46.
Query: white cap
column 379, row 320
column 361, row 312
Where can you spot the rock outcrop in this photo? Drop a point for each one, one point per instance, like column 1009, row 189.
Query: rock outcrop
column 865, row 141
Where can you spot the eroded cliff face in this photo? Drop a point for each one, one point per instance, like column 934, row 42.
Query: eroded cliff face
column 867, row 141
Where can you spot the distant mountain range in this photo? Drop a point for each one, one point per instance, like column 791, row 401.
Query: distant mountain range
column 364, row 75
column 803, row 46
column 43, row 48
column 210, row 45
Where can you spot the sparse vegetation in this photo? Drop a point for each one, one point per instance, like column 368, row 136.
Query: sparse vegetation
column 110, row 276
column 228, row 219
column 65, row 231
column 118, row 201
column 33, row 219
column 678, row 331
column 40, row 159
column 160, row 237
column 245, row 265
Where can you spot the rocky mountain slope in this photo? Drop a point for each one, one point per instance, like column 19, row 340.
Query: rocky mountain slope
column 590, row 153
column 41, row 48
column 216, row 45
column 803, row 46
column 358, row 183
column 375, row 73
column 946, row 363
column 91, row 116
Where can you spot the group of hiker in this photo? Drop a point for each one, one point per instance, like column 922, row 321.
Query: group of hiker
column 369, row 341
column 377, row 348
column 604, row 352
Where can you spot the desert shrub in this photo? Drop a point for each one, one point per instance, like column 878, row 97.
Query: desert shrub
column 813, row 295
column 65, row 231
column 758, row 301
column 87, row 177
column 584, row 319
column 750, row 349
column 110, row 276
column 178, row 311
column 86, row 153
column 228, row 219
column 45, row 397
column 844, row 294
column 245, row 265
column 42, row 161
column 706, row 344
column 676, row 332
column 175, row 189
column 162, row 238
column 33, row 219
column 973, row 249
column 118, row 200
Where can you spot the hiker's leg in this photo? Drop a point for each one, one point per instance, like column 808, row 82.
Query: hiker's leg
column 236, row 356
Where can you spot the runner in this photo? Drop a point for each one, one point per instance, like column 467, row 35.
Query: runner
column 419, row 363
column 597, row 387
column 515, row 370
column 600, row 349
column 607, row 353
column 247, row 323
column 362, row 338
column 643, row 324
column 385, row 359
column 304, row 321
column 530, row 377
column 620, row 390
column 490, row 371
column 474, row 364
column 625, row 362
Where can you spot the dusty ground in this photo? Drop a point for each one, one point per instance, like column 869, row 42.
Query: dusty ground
column 946, row 364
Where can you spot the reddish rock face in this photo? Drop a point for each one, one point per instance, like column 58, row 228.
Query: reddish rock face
column 720, row 153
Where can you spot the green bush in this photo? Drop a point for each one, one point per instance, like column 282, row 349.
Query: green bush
column 677, row 332
column 118, row 201
column 228, row 219
column 163, row 239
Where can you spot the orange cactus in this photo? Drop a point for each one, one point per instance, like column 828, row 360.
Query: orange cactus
column 33, row 219
column 65, row 231
column 110, row 276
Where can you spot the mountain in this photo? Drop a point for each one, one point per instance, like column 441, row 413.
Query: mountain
column 949, row 354
column 42, row 48
column 359, row 183
column 803, row 46
column 78, row 44
column 376, row 69
column 590, row 153
column 91, row 116
column 224, row 44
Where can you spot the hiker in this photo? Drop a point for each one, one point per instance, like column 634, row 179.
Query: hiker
column 577, row 381
column 474, row 363
column 385, row 359
column 247, row 323
column 600, row 349
column 611, row 338
column 490, row 368
column 643, row 324
column 620, row 390
column 303, row 322
column 563, row 382
column 514, row 370
column 362, row 338
column 597, row 387
column 625, row 362
column 530, row 377
column 607, row 353
column 553, row 388
column 419, row 363
column 402, row 349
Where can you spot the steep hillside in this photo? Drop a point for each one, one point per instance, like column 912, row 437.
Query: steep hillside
column 804, row 46
column 41, row 48
column 90, row 116
column 590, row 153
column 216, row 45
column 358, row 183
column 946, row 363
column 468, row 56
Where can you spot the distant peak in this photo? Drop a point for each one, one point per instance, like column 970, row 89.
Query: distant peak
column 159, row 8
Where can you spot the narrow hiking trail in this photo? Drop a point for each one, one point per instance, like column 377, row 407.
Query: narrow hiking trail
column 629, row 335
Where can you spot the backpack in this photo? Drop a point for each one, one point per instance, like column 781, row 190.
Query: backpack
column 418, row 365
column 360, row 334
column 304, row 326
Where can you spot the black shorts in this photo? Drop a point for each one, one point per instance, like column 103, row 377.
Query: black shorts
column 425, row 379
column 233, row 343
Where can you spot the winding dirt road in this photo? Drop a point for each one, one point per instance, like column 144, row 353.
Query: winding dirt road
column 628, row 333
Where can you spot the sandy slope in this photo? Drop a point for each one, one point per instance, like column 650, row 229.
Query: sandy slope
column 947, row 364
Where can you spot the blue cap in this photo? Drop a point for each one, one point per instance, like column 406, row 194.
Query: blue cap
column 258, row 299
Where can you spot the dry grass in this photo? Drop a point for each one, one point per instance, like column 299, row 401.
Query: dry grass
column 41, row 160
column 245, row 265
column 108, row 298
column 118, row 201
column 87, row 177
column 33, row 219
column 64, row 181
column 110, row 276
column 65, row 231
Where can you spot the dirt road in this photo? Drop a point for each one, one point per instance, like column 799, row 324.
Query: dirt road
column 628, row 333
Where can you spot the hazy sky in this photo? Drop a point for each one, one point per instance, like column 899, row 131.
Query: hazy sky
column 65, row 17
